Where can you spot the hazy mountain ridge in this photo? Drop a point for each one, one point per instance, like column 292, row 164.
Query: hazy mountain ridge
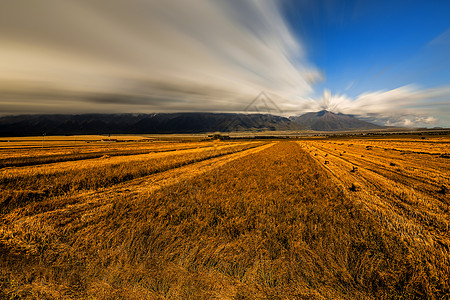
column 24, row 125
column 328, row 121
column 141, row 123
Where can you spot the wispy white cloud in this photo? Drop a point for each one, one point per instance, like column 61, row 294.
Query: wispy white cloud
column 441, row 40
column 144, row 55
column 404, row 106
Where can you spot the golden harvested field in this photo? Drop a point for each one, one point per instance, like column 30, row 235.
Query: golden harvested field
column 356, row 218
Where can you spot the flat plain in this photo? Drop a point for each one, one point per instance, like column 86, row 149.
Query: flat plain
column 91, row 217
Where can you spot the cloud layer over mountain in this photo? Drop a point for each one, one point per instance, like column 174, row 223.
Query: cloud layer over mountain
column 111, row 55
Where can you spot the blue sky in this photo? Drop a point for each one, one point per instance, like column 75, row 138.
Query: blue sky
column 365, row 45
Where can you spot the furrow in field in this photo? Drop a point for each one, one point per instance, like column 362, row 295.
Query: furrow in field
column 431, row 147
column 20, row 189
column 24, row 159
column 419, row 184
column 381, row 157
column 413, row 174
column 105, row 161
column 151, row 183
column 90, row 204
column 365, row 191
column 435, row 158
column 249, row 224
column 267, row 222
column 399, row 207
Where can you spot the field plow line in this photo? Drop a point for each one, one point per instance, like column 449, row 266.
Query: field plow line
column 406, row 179
column 397, row 217
column 86, row 203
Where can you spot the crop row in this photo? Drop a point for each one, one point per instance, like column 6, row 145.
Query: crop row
column 39, row 156
column 18, row 190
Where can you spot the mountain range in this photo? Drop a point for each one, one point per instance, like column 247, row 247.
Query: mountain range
column 328, row 121
column 25, row 125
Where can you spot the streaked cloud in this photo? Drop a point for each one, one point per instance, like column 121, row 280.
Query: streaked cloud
column 147, row 56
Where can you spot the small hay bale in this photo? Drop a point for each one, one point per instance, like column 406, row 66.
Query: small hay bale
column 355, row 187
column 443, row 190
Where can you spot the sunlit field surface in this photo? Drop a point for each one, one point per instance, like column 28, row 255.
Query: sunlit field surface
column 138, row 218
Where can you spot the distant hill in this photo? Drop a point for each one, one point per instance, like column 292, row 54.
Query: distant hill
column 141, row 123
column 328, row 121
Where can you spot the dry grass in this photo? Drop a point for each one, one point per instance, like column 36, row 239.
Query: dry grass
column 273, row 224
column 27, row 153
column 23, row 185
